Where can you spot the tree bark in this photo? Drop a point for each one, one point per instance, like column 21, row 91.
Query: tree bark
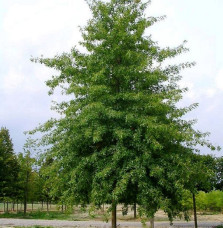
column 195, row 211
column 134, row 208
column 114, row 219
column 25, row 199
column 152, row 222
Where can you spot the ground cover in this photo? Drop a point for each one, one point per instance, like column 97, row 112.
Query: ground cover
column 79, row 214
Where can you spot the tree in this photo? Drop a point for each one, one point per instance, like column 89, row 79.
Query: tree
column 202, row 177
column 122, row 128
column 8, row 166
column 26, row 163
column 219, row 173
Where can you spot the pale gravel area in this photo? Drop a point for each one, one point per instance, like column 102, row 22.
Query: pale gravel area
column 59, row 223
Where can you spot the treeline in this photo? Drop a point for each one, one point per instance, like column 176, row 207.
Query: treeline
column 26, row 179
column 22, row 180
column 205, row 201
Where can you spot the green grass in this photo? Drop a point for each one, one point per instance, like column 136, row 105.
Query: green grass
column 35, row 206
column 39, row 215
column 51, row 215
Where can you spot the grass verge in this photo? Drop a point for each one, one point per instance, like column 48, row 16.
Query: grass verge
column 51, row 215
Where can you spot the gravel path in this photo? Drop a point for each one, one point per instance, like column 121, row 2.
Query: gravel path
column 62, row 223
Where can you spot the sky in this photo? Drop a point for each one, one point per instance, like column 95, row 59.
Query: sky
column 31, row 28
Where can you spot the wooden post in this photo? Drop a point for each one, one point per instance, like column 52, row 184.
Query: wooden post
column 195, row 211
column 114, row 219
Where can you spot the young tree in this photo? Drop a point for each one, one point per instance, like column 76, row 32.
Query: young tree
column 122, row 130
column 8, row 166
column 202, row 177
column 26, row 163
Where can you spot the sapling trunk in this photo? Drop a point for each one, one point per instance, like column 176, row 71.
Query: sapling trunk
column 195, row 211
column 152, row 222
column 7, row 207
column 134, row 208
column 114, row 219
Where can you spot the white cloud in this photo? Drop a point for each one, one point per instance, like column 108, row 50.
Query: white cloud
column 35, row 21
column 211, row 92
column 219, row 80
column 12, row 81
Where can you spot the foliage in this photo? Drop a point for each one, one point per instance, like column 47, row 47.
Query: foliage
column 121, row 138
column 202, row 173
column 8, row 166
column 210, row 202
column 219, row 171
column 26, row 177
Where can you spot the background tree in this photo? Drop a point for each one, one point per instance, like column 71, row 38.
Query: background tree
column 219, row 173
column 202, row 177
column 122, row 130
column 26, row 163
column 8, row 167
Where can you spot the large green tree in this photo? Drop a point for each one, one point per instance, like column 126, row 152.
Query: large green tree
column 8, row 166
column 121, row 137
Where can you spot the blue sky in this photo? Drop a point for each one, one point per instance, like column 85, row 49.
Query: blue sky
column 34, row 27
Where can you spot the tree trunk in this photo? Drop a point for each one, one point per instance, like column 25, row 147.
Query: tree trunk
column 17, row 206
column 42, row 205
column 25, row 199
column 134, row 208
column 47, row 205
column 195, row 211
column 114, row 219
column 4, row 206
column 7, row 207
column 25, row 206
column 32, row 205
column 62, row 208
column 152, row 222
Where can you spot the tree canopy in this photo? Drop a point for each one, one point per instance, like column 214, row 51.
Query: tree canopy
column 8, row 165
column 121, row 138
